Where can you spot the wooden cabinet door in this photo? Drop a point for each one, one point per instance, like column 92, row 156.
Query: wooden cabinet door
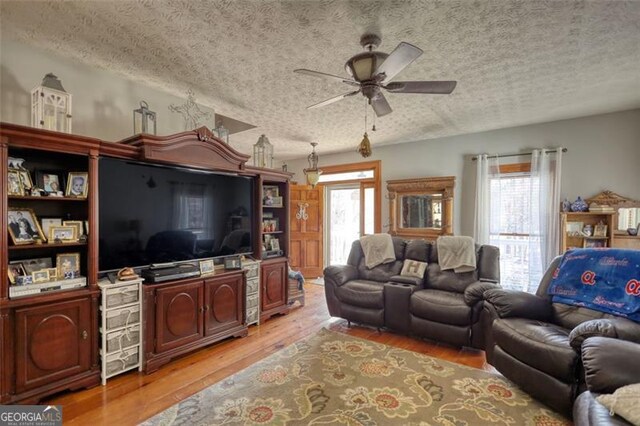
column 53, row 342
column 178, row 315
column 223, row 304
column 305, row 229
column 274, row 285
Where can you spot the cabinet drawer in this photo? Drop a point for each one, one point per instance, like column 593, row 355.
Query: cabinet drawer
column 253, row 286
column 252, row 271
column 252, row 302
column 123, row 339
column 123, row 360
column 122, row 296
column 122, row 317
column 252, row 316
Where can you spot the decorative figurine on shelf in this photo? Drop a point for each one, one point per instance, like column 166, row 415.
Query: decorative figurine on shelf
column 126, row 274
column 587, row 231
column 579, row 205
column 51, row 105
column 566, row 205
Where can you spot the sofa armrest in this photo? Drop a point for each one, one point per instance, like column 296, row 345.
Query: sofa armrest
column 617, row 328
column 610, row 363
column 416, row 282
column 510, row 303
column 340, row 274
column 474, row 291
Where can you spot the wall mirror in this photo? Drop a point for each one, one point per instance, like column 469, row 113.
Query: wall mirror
column 421, row 207
column 627, row 210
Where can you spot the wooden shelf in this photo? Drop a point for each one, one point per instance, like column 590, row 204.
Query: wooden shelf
column 29, row 197
column 42, row 246
column 273, row 207
column 591, row 238
column 273, row 232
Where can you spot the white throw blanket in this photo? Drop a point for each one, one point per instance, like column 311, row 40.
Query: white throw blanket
column 457, row 253
column 378, row 249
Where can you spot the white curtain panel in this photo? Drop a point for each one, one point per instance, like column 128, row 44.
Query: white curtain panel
column 488, row 168
column 551, row 177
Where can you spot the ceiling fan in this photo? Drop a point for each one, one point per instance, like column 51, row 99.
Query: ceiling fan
column 372, row 70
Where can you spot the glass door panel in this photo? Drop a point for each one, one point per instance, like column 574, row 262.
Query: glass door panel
column 343, row 208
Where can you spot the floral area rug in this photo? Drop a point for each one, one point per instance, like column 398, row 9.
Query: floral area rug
column 332, row 378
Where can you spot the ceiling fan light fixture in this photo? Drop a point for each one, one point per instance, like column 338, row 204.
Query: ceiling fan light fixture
column 313, row 172
column 363, row 65
column 365, row 146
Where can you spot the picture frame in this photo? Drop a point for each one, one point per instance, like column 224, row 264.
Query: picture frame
column 86, row 227
column 48, row 222
column 40, row 276
column 594, row 243
column 33, row 265
column 78, row 224
column 77, row 185
column 66, row 234
column 14, row 184
column 68, row 265
column 207, row 267
column 271, row 225
column 53, row 274
column 232, row 262
column 574, row 229
column 275, row 244
column 15, row 270
column 600, row 230
column 25, row 178
column 277, row 202
column 269, row 192
column 51, row 182
column 24, row 227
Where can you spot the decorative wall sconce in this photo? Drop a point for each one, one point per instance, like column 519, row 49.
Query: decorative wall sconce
column 263, row 153
column 51, row 105
column 313, row 173
column 144, row 120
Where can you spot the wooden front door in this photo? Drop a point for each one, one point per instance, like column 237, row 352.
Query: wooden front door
column 305, row 230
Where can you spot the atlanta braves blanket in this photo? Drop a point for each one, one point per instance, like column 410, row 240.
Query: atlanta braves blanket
column 606, row 280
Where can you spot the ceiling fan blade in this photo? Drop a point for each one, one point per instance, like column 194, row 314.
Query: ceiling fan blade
column 401, row 56
column 325, row 75
column 380, row 105
column 435, row 87
column 332, row 100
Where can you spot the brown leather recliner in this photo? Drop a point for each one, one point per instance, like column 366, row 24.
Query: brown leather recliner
column 442, row 305
column 536, row 343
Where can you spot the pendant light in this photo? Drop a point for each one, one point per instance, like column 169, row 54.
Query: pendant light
column 313, row 172
column 365, row 146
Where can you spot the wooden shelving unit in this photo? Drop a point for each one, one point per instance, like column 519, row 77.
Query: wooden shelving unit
column 568, row 241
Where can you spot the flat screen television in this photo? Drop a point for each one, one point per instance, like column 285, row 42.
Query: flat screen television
column 155, row 214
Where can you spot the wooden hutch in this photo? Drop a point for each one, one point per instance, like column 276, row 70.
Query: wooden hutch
column 50, row 341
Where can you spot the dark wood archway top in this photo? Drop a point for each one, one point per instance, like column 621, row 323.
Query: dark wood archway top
column 198, row 148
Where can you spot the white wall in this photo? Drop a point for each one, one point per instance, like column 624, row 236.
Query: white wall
column 603, row 153
column 103, row 102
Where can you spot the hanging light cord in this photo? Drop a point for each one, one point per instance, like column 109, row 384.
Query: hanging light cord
column 365, row 115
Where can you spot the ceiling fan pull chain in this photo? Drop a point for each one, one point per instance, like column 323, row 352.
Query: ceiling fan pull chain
column 373, row 129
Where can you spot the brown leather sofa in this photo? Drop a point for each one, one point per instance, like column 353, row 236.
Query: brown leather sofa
column 608, row 365
column 442, row 305
column 536, row 343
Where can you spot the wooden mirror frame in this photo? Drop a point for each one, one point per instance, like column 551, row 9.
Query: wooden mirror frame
column 421, row 186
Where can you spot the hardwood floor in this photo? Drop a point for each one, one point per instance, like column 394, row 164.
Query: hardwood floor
column 133, row 397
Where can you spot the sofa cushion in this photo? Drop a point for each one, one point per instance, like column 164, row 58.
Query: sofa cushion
column 413, row 268
column 381, row 273
column 441, row 306
column 362, row 293
column 417, row 250
column 589, row 412
column 438, row 279
column 539, row 344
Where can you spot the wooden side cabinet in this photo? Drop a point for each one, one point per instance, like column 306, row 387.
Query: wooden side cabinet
column 224, row 302
column 178, row 315
column 273, row 299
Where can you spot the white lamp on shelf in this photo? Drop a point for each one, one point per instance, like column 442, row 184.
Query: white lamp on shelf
column 263, row 153
column 51, row 105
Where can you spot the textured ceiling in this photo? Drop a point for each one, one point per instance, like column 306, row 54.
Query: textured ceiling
column 516, row 62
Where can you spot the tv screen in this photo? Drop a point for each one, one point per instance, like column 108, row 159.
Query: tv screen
column 155, row 214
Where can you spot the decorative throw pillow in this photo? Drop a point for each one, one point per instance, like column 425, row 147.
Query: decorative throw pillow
column 624, row 402
column 413, row 268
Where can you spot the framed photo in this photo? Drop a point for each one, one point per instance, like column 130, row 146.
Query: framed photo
column 66, row 234
column 275, row 244
column 14, row 183
column 600, row 230
column 269, row 192
column 270, row 225
column 25, row 178
column 24, row 227
column 78, row 224
column 68, row 265
column 594, row 243
column 53, row 274
column 50, row 181
column 574, row 229
column 33, row 265
column 77, row 185
column 207, row 267
column 40, row 276
column 277, row 202
column 232, row 262
column 48, row 222
column 15, row 270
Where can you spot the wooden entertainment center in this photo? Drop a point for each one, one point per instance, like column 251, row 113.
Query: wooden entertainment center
column 50, row 340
